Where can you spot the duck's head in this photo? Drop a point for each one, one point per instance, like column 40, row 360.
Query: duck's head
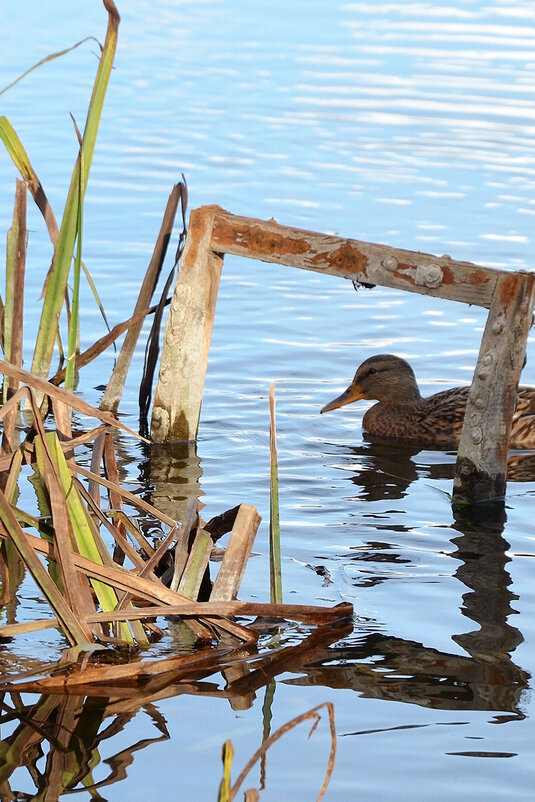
column 385, row 378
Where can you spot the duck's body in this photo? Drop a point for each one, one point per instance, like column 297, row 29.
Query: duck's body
column 403, row 414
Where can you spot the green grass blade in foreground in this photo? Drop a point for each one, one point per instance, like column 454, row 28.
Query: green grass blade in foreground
column 14, row 299
column 73, row 630
column 74, row 320
column 83, row 534
column 16, row 150
column 11, row 261
column 65, row 245
column 275, row 573
column 227, row 754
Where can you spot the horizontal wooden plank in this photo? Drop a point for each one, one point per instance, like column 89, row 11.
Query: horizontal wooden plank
column 365, row 262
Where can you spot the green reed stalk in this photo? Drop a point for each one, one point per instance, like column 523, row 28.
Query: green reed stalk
column 74, row 321
column 57, row 279
column 275, row 573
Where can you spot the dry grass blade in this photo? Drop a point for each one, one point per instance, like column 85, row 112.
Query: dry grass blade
column 74, row 585
column 10, row 482
column 237, row 553
column 122, row 520
column 75, row 629
column 46, row 388
column 137, row 561
column 182, row 541
column 114, row 390
column 313, row 715
column 104, row 342
column 42, row 61
column 291, row 612
column 109, row 462
column 134, row 500
column 27, row 449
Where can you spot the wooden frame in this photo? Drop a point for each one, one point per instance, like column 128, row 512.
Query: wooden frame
column 509, row 296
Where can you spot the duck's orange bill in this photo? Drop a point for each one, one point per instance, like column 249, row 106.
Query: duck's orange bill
column 348, row 396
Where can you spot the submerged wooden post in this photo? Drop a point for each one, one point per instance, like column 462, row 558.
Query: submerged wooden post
column 178, row 396
column 481, row 469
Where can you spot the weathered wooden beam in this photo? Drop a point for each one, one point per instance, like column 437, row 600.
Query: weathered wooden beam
column 481, row 466
column 481, row 469
column 178, row 396
column 365, row 262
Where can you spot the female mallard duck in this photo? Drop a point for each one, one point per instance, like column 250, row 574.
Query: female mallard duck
column 436, row 421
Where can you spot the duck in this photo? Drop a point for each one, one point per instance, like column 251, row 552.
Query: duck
column 402, row 413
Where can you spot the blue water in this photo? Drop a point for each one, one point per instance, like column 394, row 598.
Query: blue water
column 404, row 123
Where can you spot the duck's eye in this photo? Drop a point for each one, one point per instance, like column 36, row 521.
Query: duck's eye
column 372, row 371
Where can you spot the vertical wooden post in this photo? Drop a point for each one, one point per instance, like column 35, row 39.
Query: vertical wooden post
column 178, row 396
column 481, row 468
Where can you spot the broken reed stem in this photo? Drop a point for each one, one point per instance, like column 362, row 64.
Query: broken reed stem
column 114, row 390
column 310, row 714
column 305, row 614
column 14, row 290
column 275, row 573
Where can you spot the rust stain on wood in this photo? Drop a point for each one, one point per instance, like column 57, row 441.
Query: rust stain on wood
column 448, row 275
column 508, row 288
column 257, row 240
column 196, row 224
column 478, row 277
column 347, row 258
column 400, row 272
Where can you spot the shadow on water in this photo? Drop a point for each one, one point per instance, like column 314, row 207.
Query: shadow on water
column 384, row 666
column 390, row 668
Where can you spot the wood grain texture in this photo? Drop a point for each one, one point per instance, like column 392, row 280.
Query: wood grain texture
column 365, row 262
column 482, row 456
column 180, row 388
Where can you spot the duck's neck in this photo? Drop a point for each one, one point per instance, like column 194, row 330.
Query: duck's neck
column 403, row 393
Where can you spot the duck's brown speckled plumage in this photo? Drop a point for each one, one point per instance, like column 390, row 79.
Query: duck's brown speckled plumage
column 402, row 414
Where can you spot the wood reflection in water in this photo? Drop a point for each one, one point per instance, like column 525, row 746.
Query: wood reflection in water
column 387, row 667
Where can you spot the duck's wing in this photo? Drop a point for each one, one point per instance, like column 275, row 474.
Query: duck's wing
column 523, row 429
column 525, row 401
column 445, row 410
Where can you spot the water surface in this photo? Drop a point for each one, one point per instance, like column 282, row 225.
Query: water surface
column 406, row 123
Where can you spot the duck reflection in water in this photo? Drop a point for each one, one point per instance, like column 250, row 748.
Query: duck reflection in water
column 485, row 677
column 381, row 665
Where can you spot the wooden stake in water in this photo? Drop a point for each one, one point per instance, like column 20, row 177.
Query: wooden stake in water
column 274, row 526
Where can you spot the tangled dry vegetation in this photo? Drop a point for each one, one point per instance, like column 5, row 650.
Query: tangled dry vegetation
column 106, row 584
column 75, row 531
column 101, row 598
